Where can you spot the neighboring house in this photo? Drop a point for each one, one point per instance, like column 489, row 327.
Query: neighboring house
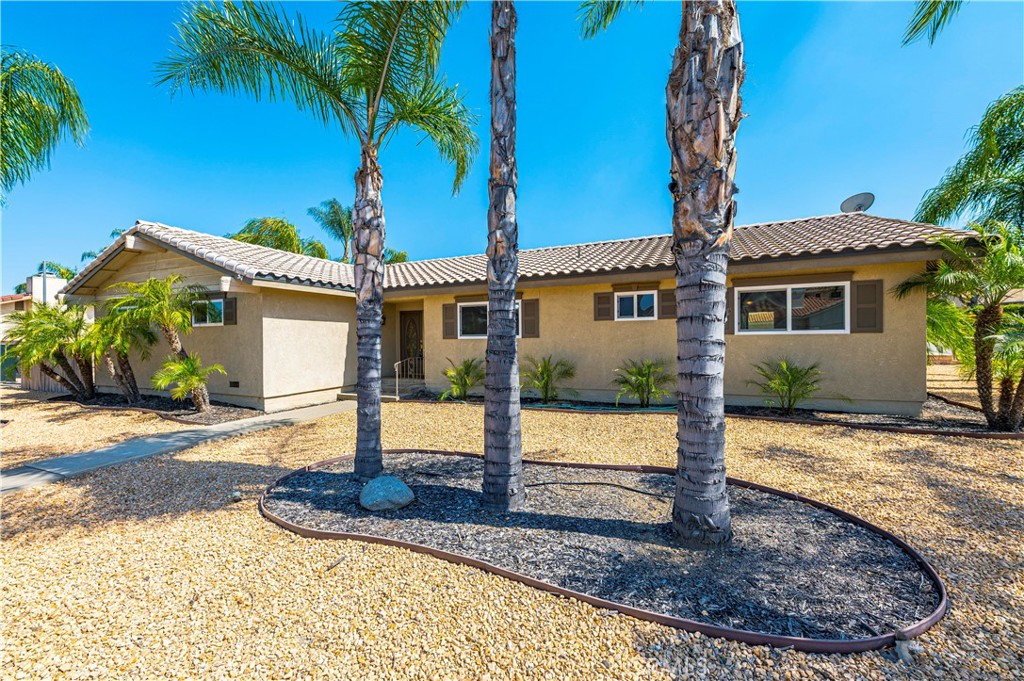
column 39, row 288
column 814, row 289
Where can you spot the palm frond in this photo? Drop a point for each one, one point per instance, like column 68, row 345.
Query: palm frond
column 597, row 15
column 254, row 48
column 929, row 18
column 39, row 106
column 335, row 219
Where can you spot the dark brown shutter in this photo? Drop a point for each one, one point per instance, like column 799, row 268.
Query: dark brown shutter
column 230, row 311
column 449, row 325
column 530, row 309
column 667, row 303
column 730, row 312
column 867, row 298
column 604, row 307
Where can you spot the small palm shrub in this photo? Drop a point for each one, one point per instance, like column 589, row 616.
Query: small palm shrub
column 645, row 380
column 545, row 374
column 463, row 377
column 785, row 383
column 189, row 377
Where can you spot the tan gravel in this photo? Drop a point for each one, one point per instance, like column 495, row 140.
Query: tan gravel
column 146, row 570
column 40, row 429
column 945, row 380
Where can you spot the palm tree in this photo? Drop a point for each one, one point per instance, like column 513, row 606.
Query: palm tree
column 503, row 488
column 163, row 303
column 930, row 17
column 115, row 337
column 92, row 255
column 336, row 220
column 545, row 374
column 189, row 377
column 703, row 113
column 391, row 256
column 39, row 107
column 280, row 234
column 983, row 271
column 375, row 74
column 56, row 269
column 987, row 183
column 54, row 338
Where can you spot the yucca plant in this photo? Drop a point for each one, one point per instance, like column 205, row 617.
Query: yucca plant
column 463, row 377
column 545, row 374
column 785, row 383
column 189, row 378
column 645, row 380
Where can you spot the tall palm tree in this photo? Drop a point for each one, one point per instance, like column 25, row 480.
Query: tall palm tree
column 503, row 447
column 987, row 183
column 703, row 113
column 162, row 303
column 56, row 269
column 39, row 107
column 54, row 338
column 280, row 234
column 336, row 220
column 375, row 74
column 983, row 271
column 391, row 256
column 929, row 18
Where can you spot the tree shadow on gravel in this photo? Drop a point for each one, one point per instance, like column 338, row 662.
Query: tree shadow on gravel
column 159, row 488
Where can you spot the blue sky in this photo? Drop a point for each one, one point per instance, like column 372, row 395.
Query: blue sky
column 834, row 106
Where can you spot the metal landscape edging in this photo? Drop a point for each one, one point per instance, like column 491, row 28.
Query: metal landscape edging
column 810, row 645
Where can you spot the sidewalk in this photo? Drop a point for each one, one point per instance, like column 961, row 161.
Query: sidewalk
column 62, row 467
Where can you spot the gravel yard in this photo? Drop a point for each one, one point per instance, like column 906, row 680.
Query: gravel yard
column 41, row 429
column 945, row 380
column 146, row 570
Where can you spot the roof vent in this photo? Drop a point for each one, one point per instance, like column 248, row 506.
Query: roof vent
column 857, row 203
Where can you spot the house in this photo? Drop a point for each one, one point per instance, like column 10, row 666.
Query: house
column 39, row 288
column 814, row 289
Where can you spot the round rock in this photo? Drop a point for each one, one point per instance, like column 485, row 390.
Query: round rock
column 385, row 493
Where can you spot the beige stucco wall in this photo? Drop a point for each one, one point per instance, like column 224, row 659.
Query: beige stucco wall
column 309, row 347
column 878, row 372
column 237, row 347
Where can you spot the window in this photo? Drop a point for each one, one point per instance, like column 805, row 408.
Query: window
column 821, row 308
column 473, row 320
column 639, row 305
column 208, row 313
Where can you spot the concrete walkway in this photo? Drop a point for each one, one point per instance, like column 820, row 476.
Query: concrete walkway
column 63, row 467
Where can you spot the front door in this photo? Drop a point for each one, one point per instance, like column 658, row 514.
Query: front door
column 411, row 340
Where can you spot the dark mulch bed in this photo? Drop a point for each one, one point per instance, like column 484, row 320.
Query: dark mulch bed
column 935, row 415
column 791, row 570
column 181, row 411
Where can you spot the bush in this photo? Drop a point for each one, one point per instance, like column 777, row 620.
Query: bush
column 189, row 377
column 644, row 380
column 545, row 374
column 786, row 383
column 463, row 378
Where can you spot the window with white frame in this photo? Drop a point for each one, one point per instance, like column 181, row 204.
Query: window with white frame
column 818, row 308
column 636, row 305
column 472, row 320
column 208, row 312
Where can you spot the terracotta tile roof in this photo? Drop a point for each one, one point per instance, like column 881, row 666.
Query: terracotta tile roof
column 829, row 234
column 15, row 297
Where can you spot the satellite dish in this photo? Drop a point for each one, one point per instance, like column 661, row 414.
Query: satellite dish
column 857, row 202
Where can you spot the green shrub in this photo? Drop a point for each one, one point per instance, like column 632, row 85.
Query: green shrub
column 545, row 374
column 188, row 376
column 644, row 380
column 463, row 378
column 786, row 383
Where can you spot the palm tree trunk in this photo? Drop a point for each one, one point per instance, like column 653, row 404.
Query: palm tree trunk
column 503, row 452
column 75, row 390
column 85, row 372
column 1015, row 418
column 128, row 374
column 703, row 107
column 986, row 324
column 201, row 399
column 116, row 377
column 173, row 339
column 368, row 251
column 70, row 376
